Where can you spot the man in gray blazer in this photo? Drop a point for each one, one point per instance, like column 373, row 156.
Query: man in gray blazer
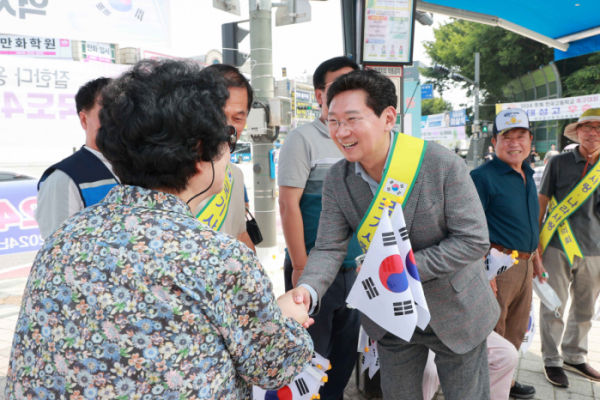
column 448, row 232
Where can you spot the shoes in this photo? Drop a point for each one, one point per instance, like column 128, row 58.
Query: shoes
column 556, row 376
column 519, row 391
column 584, row 370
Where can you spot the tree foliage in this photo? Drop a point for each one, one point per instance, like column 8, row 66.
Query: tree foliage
column 585, row 80
column 437, row 105
column 504, row 56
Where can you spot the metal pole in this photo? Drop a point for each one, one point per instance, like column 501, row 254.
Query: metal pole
column 261, row 57
column 476, row 111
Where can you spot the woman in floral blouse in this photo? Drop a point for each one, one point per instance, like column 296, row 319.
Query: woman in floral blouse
column 133, row 298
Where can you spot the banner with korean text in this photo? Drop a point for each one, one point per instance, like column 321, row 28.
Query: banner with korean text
column 38, row 120
column 140, row 22
column 547, row 110
column 19, row 231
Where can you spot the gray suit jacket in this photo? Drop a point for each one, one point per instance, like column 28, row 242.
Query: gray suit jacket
column 449, row 235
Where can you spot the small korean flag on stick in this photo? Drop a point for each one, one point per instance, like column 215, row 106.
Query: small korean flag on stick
column 530, row 331
column 496, row 263
column 382, row 290
column 305, row 386
column 414, row 281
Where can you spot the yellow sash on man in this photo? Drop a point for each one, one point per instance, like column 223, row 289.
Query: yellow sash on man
column 399, row 176
column 214, row 212
column 558, row 214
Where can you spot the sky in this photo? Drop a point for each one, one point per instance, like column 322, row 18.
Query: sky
column 300, row 48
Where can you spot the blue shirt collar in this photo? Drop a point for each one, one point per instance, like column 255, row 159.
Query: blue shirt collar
column 503, row 168
column 360, row 171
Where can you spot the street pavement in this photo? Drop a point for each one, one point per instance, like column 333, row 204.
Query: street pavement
column 529, row 369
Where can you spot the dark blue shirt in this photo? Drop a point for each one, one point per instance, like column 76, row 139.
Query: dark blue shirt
column 511, row 206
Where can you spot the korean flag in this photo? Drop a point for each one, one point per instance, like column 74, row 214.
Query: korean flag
column 304, row 387
column 496, row 263
column 382, row 291
column 414, row 282
column 530, row 331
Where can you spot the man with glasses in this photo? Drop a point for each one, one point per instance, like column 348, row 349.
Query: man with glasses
column 306, row 155
column 570, row 241
column 226, row 212
column 446, row 226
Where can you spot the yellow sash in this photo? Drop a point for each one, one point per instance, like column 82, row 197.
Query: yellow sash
column 399, row 176
column 214, row 212
column 558, row 214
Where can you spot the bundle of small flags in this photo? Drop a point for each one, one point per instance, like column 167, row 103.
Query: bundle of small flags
column 528, row 338
column 497, row 263
column 304, row 387
column 370, row 357
column 388, row 288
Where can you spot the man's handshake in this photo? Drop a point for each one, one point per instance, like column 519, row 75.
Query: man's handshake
column 295, row 304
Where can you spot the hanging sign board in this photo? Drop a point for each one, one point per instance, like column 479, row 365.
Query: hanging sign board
column 387, row 32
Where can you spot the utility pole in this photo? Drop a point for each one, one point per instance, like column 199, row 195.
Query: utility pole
column 476, row 129
column 261, row 56
column 476, row 123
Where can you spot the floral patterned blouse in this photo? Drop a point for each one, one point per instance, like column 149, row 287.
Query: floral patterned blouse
column 133, row 298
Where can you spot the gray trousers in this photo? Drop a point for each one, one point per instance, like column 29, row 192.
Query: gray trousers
column 462, row 376
column 582, row 282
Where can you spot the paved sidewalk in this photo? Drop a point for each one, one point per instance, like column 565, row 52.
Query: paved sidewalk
column 529, row 370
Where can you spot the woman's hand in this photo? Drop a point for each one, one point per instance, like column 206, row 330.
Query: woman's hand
column 292, row 309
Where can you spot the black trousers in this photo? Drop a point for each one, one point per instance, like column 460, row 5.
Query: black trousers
column 335, row 331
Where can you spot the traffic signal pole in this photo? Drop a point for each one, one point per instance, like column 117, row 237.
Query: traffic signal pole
column 261, row 57
column 476, row 122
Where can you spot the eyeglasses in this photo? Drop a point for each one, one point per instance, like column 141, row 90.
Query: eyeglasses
column 231, row 133
column 351, row 123
column 588, row 128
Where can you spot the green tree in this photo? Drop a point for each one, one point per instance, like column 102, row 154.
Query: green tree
column 437, row 105
column 585, row 80
column 504, row 56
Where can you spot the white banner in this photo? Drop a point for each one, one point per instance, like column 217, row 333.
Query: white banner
column 452, row 133
column 96, row 51
column 144, row 22
column 35, row 46
column 38, row 120
column 547, row 110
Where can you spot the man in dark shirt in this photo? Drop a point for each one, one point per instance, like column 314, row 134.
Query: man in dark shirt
column 572, row 254
column 509, row 197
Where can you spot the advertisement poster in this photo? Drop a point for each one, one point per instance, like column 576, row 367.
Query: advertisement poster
column 35, row 46
column 388, row 31
column 19, row 231
column 548, row 110
column 447, row 129
column 143, row 22
column 38, row 120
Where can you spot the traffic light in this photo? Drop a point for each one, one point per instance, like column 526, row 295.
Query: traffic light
column 440, row 69
column 231, row 36
column 484, row 128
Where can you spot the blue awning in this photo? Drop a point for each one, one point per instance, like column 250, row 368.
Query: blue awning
column 555, row 19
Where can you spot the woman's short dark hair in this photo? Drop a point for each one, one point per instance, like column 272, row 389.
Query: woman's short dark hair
column 331, row 65
column 159, row 119
column 233, row 78
column 380, row 90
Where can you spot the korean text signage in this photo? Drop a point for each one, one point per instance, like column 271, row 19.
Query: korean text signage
column 101, row 52
column 388, row 29
column 445, row 126
column 139, row 22
column 35, row 46
column 37, row 107
column 543, row 110
column 18, row 229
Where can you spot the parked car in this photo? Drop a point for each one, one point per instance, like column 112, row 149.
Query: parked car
column 7, row 176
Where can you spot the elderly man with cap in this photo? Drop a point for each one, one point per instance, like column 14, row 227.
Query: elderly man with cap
column 509, row 198
column 570, row 244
